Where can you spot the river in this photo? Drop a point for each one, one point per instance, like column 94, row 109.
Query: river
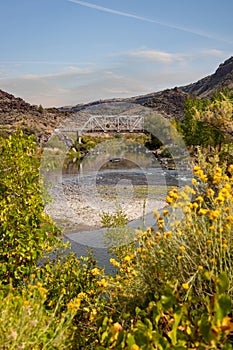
column 130, row 179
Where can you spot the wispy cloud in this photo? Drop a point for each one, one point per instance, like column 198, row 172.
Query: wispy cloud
column 145, row 19
column 140, row 71
column 115, row 12
column 157, row 56
column 165, row 57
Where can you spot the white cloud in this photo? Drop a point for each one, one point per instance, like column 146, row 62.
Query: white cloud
column 214, row 53
column 139, row 72
column 165, row 57
column 157, row 56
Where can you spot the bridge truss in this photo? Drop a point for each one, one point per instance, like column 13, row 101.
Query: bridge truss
column 109, row 123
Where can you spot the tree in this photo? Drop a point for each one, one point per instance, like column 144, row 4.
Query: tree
column 41, row 109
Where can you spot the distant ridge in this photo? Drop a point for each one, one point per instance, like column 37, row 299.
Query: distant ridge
column 16, row 113
column 221, row 79
column 170, row 102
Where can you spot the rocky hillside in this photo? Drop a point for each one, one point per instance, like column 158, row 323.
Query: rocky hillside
column 16, row 113
column 221, row 79
column 170, row 102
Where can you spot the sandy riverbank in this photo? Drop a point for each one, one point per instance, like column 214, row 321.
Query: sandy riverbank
column 76, row 209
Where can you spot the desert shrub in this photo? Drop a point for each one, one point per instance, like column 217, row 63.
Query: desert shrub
column 26, row 322
column 190, row 248
column 77, row 285
column 26, row 232
column 171, row 323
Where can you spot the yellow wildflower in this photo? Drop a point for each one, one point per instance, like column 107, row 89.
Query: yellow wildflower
column 199, row 199
column 156, row 214
column 134, row 347
column 219, row 200
column 165, row 212
column 185, row 286
column 160, row 223
column 169, row 200
column 114, row 262
column 102, row 283
column 82, row 295
column 203, row 177
column 214, row 214
column 127, row 258
column 218, row 170
column 194, row 181
column 167, row 234
column 196, row 169
column 224, row 192
column 74, row 305
column 203, row 211
column 230, row 169
column 210, row 192
column 230, row 218
column 174, row 194
column 95, row 271
column 92, row 314
column 193, row 206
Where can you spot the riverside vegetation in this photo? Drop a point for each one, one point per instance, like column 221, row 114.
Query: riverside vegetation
column 173, row 286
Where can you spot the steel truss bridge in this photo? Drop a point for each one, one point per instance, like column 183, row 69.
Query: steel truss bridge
column 108, row 123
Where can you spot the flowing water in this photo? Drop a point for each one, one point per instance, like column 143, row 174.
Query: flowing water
column 130, row 178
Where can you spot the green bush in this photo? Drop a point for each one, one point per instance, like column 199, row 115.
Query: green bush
column 26, row 232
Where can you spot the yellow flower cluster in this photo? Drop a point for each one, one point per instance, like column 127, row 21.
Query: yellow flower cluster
column 102, row 283
column 160, row 223
column 217, row 178
column 200, row 173
column 95, row 271
column 114, row 262
column 172, row 196
column 74, row 305
column 37, row 288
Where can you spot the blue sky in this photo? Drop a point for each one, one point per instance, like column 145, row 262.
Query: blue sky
column 64, row 52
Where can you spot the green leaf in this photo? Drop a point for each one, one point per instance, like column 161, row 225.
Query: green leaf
column 173, row 333
column 222, row 307
column 222, row 283
column 205, row 328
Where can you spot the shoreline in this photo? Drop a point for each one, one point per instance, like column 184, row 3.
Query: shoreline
column 78, row 210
